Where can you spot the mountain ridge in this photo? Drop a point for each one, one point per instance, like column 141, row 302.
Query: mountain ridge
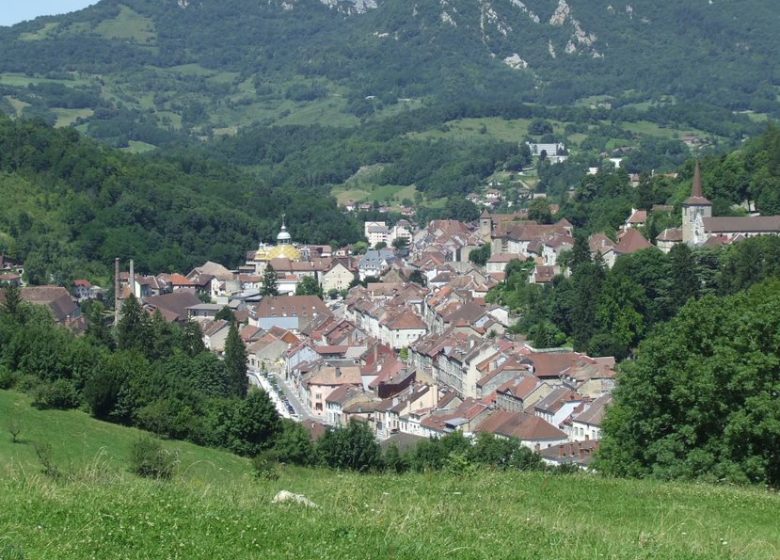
column 346, row 53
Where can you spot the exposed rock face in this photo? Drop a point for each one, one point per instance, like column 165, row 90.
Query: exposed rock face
column 515, row 62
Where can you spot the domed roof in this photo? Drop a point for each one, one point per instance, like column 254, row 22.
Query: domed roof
column 284, row 235
column 284, row 252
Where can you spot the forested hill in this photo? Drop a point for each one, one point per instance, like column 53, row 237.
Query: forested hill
column 70, row 206
column 209, row 64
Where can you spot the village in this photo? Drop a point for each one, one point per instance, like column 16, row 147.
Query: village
column 402, row 337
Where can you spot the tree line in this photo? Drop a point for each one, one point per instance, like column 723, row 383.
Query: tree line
column 145, row 372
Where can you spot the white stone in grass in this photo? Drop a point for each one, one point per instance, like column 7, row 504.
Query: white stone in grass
column 285, row 496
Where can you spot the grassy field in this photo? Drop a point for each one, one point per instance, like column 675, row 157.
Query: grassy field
column 129, row 24
column 479, row 129
column 215, row 509
column 80, row 442
column 66, row 117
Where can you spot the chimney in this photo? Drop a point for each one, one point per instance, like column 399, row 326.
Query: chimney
column 132, row 277
column 116, row 291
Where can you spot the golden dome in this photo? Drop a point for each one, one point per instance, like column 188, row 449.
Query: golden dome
column 283, row 252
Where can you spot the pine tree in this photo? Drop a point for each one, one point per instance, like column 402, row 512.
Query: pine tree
column 269, row 282
column 132, row 331
column 191, row 339
column 235, row 363
column 580, row 253
column 684, row 278
column 13, row 302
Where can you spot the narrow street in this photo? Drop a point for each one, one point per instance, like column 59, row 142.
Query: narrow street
column 292, row 397
column 278, row 391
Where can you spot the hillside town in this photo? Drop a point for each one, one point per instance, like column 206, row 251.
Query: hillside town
column 403, row 337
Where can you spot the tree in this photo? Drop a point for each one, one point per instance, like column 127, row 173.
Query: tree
column 191, row 339
column 480, row 256
column 97, row 324
column 587, row 280
column 539, row 211
column 684, row 279
column 132, row 330
column 102, row 390
column 254, row 425
column 400, row 243
column 351, row 448
column 461, row 209
column 235, row 362
column 359, row 248
column 700, row 400
column 394, row 460
column 308, row 286
column 418, row 278
column 270, row 287
column 13, row 302
column 293, row 445
column 381, row 245
column 225, row 314
column 580, row 252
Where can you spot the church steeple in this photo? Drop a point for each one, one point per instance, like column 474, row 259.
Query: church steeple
column 697, row 193
column 695, row 210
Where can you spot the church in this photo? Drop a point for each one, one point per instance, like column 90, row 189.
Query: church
column 701, row 228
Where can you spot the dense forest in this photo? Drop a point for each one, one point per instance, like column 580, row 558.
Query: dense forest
column 71, row 206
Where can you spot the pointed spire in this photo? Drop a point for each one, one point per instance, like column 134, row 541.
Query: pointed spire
column 697, row 190
column 697, row 193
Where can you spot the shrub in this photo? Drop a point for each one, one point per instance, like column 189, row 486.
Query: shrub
column 266, row 467
column 14, row 428
column 59, row 394
column 27, row 383
column 148, row 458
column 46, row 458
column 352, row 448
column 293, row 445
column 7, row 378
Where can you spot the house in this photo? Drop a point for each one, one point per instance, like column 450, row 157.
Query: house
column 288, row 312
column 326, row 378
column 630, row 241
column 532, row 432
column 558, row 405
column 668, row 238
column 374, row 263
column 552, row 152
column 521, row 394
column 498, row 262
column 215, row 335
column 580, row 453
column 83, row 290
column 267, row 353
column 173, row 307
column 341, row 398
column 59, row 302
column 376, row 232
column 637, row 219
column 339, row 278
column 587, row 425
column 204, row 311
column 402, row 329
